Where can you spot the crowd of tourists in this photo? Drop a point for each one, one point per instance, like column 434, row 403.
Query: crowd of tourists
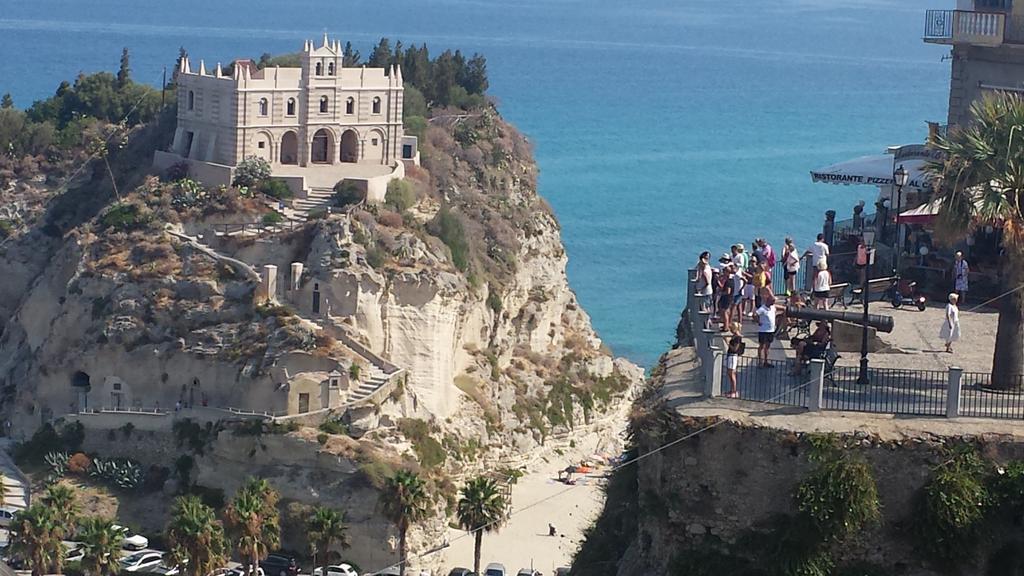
column 740, row 289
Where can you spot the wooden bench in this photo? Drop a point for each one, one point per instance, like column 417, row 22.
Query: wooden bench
column 836, row 294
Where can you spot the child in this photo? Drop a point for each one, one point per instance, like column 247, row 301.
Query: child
column 732, row 356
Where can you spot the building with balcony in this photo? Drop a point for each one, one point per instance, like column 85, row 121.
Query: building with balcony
column 987, row 42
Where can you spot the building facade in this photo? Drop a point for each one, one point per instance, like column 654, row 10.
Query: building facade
column 317, row 116
column 987, row 49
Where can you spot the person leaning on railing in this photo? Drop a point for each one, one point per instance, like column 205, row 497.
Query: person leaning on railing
column 703, row 287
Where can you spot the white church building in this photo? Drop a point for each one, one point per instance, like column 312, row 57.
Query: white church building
column 315, row 125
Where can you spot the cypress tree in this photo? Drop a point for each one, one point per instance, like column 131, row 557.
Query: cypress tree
column 7, row 101
column 124, row 72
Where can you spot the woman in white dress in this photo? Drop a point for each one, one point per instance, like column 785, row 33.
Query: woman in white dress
column 951, row 327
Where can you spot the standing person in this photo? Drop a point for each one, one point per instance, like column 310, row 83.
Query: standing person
column 822, row 286
column 725, row 291
column 769, row 253
column 733, row 352
column 702, row 286
column 759, row 278
column 819, row 252
column 742, row 261
column 960, row 272
column 791, row 262
column 950, row 331
column 739, row 286
column 765, row 327
column 756, row 250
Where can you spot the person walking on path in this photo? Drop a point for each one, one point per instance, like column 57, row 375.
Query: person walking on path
column 732, row 358
column 950, row 331
column 791, row 260
column 765, row 327
column 822, row 285
column 960, row 271
column 819, row 252
column 702, row 286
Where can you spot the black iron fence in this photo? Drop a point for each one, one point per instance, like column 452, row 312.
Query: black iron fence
column 774, row 384
column 978, row 397
column 888, row 391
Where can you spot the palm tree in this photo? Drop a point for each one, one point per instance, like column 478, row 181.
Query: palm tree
column 101, row 546
column 324, row 528
column 254, row 523
column 195, row 537
column 481, row 509
column 981, row 183
column 405, row 502
column 64, row 503
column 35, row 538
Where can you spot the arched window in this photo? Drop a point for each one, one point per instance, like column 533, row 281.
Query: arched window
column 324, row 103
column 264, row 107
column 376, row 105
column 291, row 107
column 350, row 105
column 330, row 68
column 191, row 100
column 319, row 68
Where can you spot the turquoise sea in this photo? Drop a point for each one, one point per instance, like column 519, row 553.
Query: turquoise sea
column 662, row 127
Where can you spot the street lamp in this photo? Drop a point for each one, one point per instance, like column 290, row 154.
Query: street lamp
column 865, row 258
column 900, row 177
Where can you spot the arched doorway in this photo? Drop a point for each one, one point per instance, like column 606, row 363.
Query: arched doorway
column 350, row 146
column 375, row 148
column 82, row 383
column 289, row 148
column 320, row 152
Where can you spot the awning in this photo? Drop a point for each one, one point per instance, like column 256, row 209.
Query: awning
column 923, row 214
column 874, row 171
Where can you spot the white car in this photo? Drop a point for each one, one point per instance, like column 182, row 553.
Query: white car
column 141, row 561
column 132, row 541
column 336, row 570
column 6, row 516
column 240, row 571
column 73, row 552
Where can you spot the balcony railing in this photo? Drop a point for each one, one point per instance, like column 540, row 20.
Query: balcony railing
column 964, row 27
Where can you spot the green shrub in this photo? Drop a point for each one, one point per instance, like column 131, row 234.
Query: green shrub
column 125, row 217
column 952, row 506
column 272, row 218
column 333, row 427
column 347, row 194
column 413, row 103
column 63, row 438
column 321, row 438
column 212, row 497
column 376, row 257
column 400, row 195
column 353, row 371
column 6, row 228
column 416, row 126
column 276, row 188
column 429, row 451
column 448, row 227
column 252, row 171
column 494, row 300
column 840, row 495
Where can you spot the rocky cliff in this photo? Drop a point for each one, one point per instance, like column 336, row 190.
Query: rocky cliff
column 152, row 301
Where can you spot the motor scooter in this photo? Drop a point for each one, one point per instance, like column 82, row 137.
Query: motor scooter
column 904, row 293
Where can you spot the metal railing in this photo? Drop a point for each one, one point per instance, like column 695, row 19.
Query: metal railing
column 979, row 398
column 889, row 391
column 964, row 26
column 775, row 385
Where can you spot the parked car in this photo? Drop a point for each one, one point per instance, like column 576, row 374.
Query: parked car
column 240, row 571
column 562, row 571
column 132, row 541
column 389, row 571
column 528, row 572
column 6, row 515
column 337, row 570
column 495, row 569
column 141, row 561
column 280, row 564
column 461, row 572
column 73, row 552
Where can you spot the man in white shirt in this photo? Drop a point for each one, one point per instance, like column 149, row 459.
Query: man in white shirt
column 818, row 251
column 765, row 327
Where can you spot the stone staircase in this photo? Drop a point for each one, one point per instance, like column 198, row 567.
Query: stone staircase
column 316, row 199
column 371, row 379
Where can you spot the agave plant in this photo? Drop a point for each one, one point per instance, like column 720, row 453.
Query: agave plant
column 58, row 464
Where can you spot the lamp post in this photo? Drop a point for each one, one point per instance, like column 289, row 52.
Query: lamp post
column 900, row 177
column 868, row 256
